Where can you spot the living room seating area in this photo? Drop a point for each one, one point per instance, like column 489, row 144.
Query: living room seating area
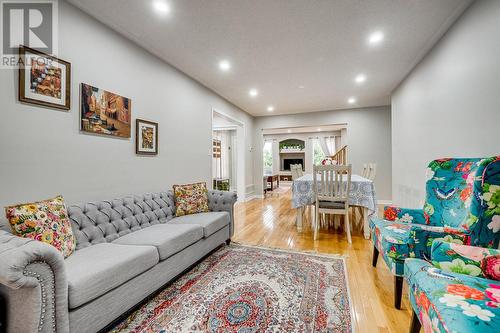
column 249, row 166
column 126, row 249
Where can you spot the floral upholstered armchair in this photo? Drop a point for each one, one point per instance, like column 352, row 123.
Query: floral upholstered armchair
column 458, row 292
column 462, row 206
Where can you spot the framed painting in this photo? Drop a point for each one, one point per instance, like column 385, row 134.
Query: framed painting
column 43, row 79
column 104, row 112
column 146, row 137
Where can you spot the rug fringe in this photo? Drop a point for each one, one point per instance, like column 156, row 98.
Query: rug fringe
column 313, row 252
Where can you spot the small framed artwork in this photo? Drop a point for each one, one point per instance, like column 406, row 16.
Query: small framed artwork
column 146, row 137
column 104, row 112
column 43, row 79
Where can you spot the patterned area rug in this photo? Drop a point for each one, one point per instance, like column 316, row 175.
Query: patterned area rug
column 247, row 289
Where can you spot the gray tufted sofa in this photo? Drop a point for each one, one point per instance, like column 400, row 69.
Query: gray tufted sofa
column 126, row 249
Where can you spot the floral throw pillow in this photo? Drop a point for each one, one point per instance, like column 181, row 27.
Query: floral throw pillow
column 191, row 199
column 46, row 221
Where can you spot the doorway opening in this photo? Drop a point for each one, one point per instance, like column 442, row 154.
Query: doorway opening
column 228, row 154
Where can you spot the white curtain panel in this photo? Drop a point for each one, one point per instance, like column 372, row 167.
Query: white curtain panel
column 331, row 144
column 327, row 145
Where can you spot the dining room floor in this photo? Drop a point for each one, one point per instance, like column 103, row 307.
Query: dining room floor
column 270, row 222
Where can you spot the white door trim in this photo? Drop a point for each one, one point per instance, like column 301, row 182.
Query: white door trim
column 240, row 128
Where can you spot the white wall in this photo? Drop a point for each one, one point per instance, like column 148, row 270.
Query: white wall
column 449, row 106
column 369, row 140
column 44, row 154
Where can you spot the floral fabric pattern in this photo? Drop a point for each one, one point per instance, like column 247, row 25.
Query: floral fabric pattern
column 452, row 302
column 469, row 260
column 393, row 242
column 406, row 215
column 191, row 199
column 462, row 206
column 46, row 221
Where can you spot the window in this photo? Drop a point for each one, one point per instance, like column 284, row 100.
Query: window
column 318, row 154
column 268, row 157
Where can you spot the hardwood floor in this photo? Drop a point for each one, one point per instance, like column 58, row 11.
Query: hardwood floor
column 270, row 223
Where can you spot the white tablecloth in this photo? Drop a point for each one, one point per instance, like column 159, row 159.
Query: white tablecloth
column 362, row 192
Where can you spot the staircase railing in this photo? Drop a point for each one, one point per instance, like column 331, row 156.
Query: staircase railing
column 340, row 156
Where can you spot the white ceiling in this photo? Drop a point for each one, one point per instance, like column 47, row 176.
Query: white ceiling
column 302, row 55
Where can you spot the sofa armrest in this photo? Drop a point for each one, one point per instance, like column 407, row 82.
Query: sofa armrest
column 408, row 215
column 465, row 259
column 33, row 284
column 223, row 201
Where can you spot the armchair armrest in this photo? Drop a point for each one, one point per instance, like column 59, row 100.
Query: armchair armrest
column 424, row 235
column 223, row 201
column 408, row 215
column 33, row 283
column 465, row 259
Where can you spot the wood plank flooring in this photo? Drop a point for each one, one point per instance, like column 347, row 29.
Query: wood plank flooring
column 270, row 223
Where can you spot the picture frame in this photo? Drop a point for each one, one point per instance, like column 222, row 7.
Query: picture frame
column 146, row 137
column 104, row 113
column 44, row 80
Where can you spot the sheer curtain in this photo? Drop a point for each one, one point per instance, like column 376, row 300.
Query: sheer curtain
column 327, row 145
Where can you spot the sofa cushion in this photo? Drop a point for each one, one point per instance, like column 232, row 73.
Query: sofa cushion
column 211, row 222
column 46, row 221
column 191, row 199
column 97, row 269
column 452, row 302
column 167, row 238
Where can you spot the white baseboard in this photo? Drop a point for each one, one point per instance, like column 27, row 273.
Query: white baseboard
column 253, row 196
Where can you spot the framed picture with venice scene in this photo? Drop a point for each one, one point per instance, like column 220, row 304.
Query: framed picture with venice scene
column 146, row 137
column 104, row 112
column 43, row 79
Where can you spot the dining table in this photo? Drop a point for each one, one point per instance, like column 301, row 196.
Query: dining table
column 361, row 194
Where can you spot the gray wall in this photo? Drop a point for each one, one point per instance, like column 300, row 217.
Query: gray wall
column 43, row 153
column 368, row 135
column 449, row 105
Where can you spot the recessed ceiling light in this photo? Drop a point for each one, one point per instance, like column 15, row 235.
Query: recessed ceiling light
column 224, row 65
column 161, row 7
column 301, row 87
column 351, row 100
column 289, row 131
column 270, row 108
column 319, row 130
column 253, row 92
column 376, row 37
column 360, row 78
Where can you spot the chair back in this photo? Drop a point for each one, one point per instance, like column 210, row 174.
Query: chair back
column 300, row 171
column 366, row 171
column 464, row 193
column 332, row 182
column 372, row 171
column 295, row 171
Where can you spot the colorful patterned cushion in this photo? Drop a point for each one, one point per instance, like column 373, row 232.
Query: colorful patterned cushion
column 452, row 302
column 46, row 221
column 469, row 260
column 191, row 199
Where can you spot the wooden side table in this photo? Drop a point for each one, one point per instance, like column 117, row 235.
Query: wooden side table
column 271, row 179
